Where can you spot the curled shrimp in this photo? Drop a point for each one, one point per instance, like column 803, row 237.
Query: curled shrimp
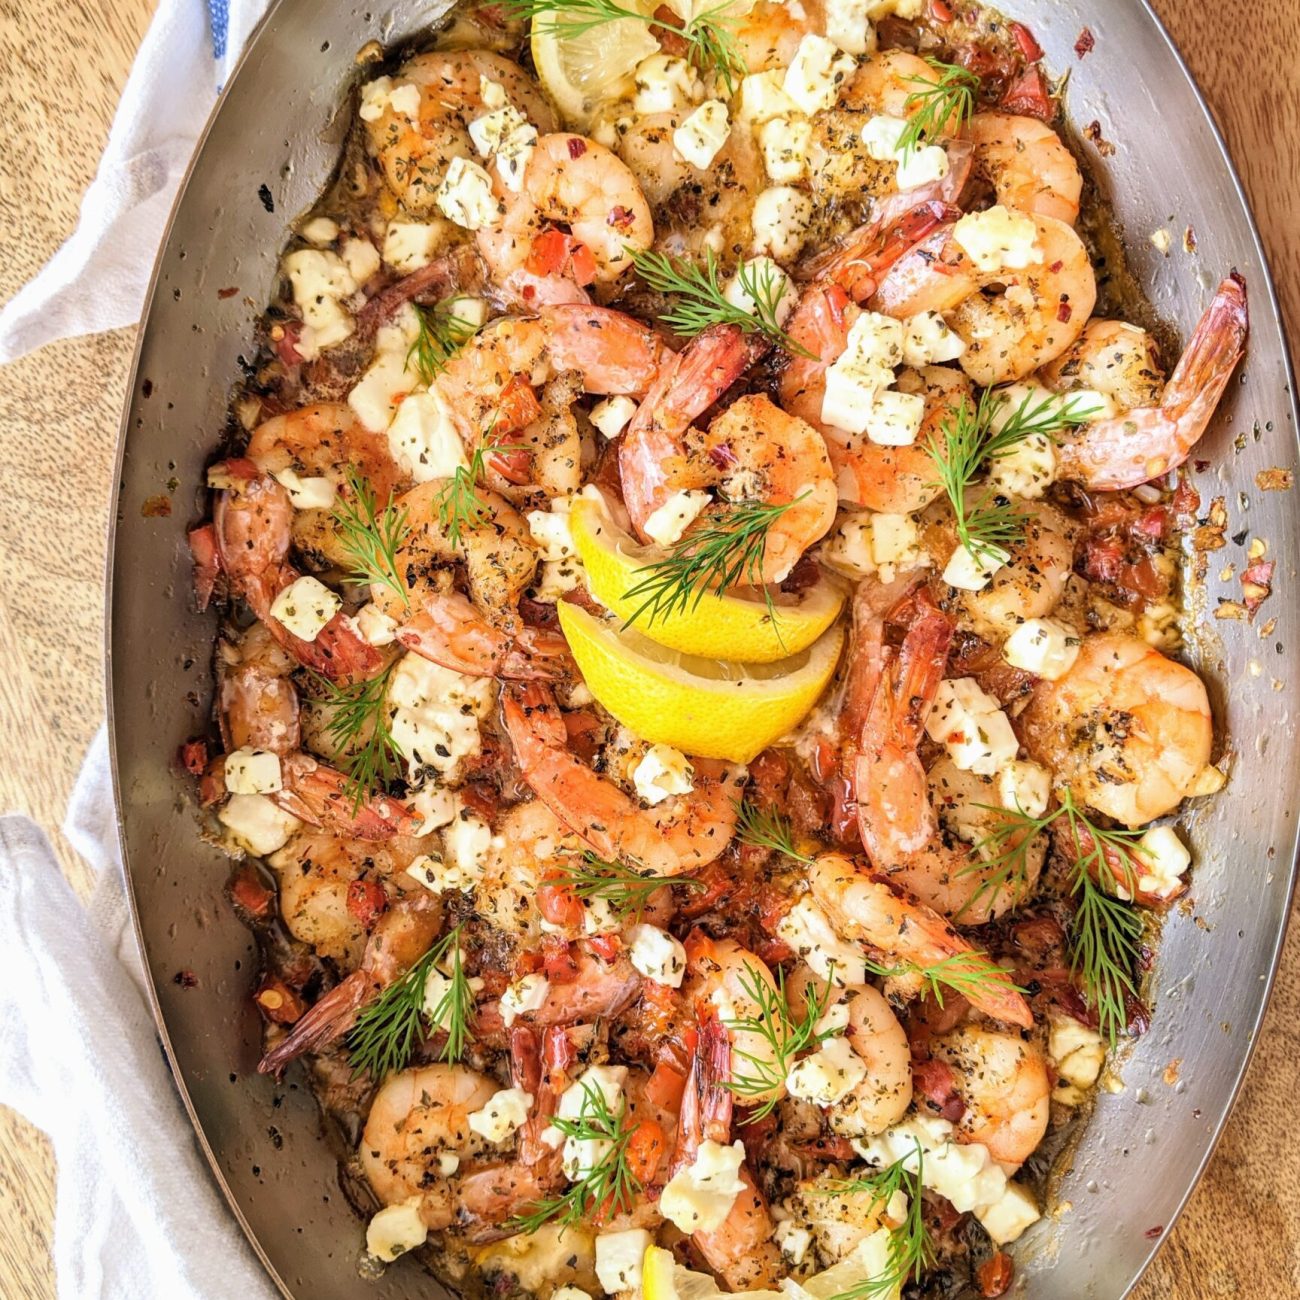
column 416, row 149
column 1144, row 442
column 680, row 834
column 1026, row 163
column 1003, row 1080
column 1127, row 729
column 256, row 702
column 323, row 797
column 1037, row 314
column 1111, row 357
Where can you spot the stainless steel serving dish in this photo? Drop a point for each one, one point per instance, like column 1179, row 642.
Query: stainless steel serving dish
column 275, row 136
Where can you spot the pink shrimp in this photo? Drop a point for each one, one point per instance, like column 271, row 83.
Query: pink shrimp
column 320, row 796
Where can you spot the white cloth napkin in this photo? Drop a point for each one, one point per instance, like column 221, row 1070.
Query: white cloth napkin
column 97, row 280
column 138, row 1214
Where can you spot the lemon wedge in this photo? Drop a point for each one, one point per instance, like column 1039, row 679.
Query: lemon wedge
column 718, row 626
column 711, row 708
column 663, row 1278
column 582, row 69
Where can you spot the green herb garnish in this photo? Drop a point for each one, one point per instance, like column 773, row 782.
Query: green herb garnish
column 371, row 536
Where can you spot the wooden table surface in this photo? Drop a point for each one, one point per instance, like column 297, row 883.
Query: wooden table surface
column 63, row 69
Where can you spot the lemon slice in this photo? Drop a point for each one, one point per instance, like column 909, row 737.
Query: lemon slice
column 582, row 69
column 869, row 1259
column 731, row 626
column 663, row 1278
column 711, row 708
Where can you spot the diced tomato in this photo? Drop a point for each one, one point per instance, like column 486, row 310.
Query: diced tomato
column 193, row 757
column 941, row 10
column 605, row 946
column 1029, row 47
column 207, row 562
column 665, row 1087
column 528, row 962
column 557, row 960
column 250, row 895
column 559, row 905
column 645, row 1149
column 548, row 253
column 1029, row 96
column 367, row 902
column 279, row 1002
column 698, row 946
column 995, row 1275
column 517, row 406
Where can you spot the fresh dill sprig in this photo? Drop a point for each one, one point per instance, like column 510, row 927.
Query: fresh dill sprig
column 712, row 44
column 359, row 727
column 784, row 1036
column 371, row 536
column 968, row 974
column 939, row 105
column 974, row 435
column 766, row 829
column 458, row 502
column 724, row 552
column 702, row 299
column 624, row 888
column 384, row 1036
column 610, row 1185
column 911, row 1251
column 440, row 334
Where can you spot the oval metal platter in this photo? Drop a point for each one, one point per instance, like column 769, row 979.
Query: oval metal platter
column 270, row 146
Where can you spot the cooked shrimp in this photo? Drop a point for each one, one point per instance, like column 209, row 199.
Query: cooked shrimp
column 863, row 908
column 680, row 834
column 1126, row 728
column 257, row 704
column 417, row 1116
column 768, row 35
column 1028, row 166
column 581, row 184
column 888, row 80
column 1144, row 442
column 1111, row 357
column 415, row 150
column 322, row 797
column 1038, row 313
column 1003, row 1080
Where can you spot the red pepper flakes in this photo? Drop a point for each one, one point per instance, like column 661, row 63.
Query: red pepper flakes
column 1064, row 312
column 1086, row 43
column 227, row 293
column 620, row 217
column 577, row 146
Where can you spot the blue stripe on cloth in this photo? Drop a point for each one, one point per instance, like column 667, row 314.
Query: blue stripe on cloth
column 219, row 20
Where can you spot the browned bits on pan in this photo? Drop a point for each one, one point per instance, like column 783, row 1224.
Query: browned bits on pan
column 156, row 507
column 1092, row 133
column 1275, row 479
column 1086, row 43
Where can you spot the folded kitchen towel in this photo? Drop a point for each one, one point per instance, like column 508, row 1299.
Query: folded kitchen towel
column 97, row 280
column 138, row 1215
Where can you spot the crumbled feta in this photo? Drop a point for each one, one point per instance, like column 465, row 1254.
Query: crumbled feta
column 467, row 311
column 762, row 98
column 528, row 993
column 320, row 281
column 780, row 219
column 807, row 930
column 557, row 579
column 390, row 376
column 1026, row 470
column 971, row 726
column 665, row 84
column 816, row 73
column 600, row 916
column 581, row 1155
column 492, row 93
column 395, row 1230
column 667, row 524
column 320, row 231
column 1008, row 1217
column 361, row 258
column 612, row 415
column 423, row 438
column 448, row 1163
column 850, row 392
column 894, row 419
column 405, row 100
column 506, row 135
column 437, row 876
column 998, row 239
column 656, row 954
column 618, row 1259
column 502, row 1114
column 1043, row 646
column 895, row 540
column 922, row 166
column 410, row 245
column 374, row 99
column 1162, row 859
column 772, row 283
column 307, row 493
column 305, row 607
column 969, row 572
column 828, row 1075
column 784, row 143
column 856, row 378
column 550, row 530
column 467, row 844
column 662, row 773
column 848, row 24
column 928, row 340
column 433, row 803
column 1077, row 1051
column 465, row 196
column 699, row 1196
column 376, row 627
column 257, row 823
column 792, row 1240
column 253, row 771
column 866, row 542
column 702, row 134
column 1026, row 786
column 436, row 713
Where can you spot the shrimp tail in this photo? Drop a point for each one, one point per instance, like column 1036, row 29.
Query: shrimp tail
column 321, row 797
column 706, row 1100
column 330, row 1018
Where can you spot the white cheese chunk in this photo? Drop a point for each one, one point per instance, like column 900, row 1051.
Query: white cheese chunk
column 550, row 530
column 436, row 714
column 581, row 1155
column 557, row 578
column 969, row 572
column 662, row 773
column 1008, row 1217
column 1043, row 646
column 376, row 627
column 827, row 1075
column 850, row 392
column 1162, row 859
column 784, row 144
column 320, row 231
column 881, row 135
column 780, row 220
column 656, row 954
column 921, row 166
column 433, row 803
column 894, row 419
column 848, row 24
column 612, row 415
column 528, row 993
column 665, row 84
column 618, row 1259
column 971, row 726
column 410, row 245
column 467, row 844
column 771, row 282
column 405, row 100
column 313, row 492
column 816, row 73
column 465, row 196
column 702, row 134
column 492, row 93
column 699, row 1196
column 998, row 239
column 257, row 823
column 467, row 311
column 1026, row 470
column 600, row 916
column 762, row 98
column 361, row 258
column 502, row 1114
column 807, row 930
column 253, row 771
column 374, row 99
column 437, row 876
column 506, row 135
column 319, row 282
column 423, row 438
column 395, row 1230
column 895, row 540
column 1025, row 786
column 390, row 376
column 1078, row 1051
column 305, row 607
column 927, row 340
column 667, row 524
column 792, row 1240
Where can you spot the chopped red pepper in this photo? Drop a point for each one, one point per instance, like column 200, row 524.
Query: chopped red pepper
column 995, row 1275
column 367, row 902
column 559, row 905
column 1029, row 47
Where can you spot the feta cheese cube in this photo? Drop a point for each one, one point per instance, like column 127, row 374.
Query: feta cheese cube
column 423, row 438
column 319, row 280
column 663, row 772
column 492, row 93
column 448, row 1163
column 848, row 24
column 305, row 607
column 856, row 377
column 410, row 245
column 389, row 377
column 1026, row 786
column 612, row 415
column 506, row 135
column 771, row 282
column 699, row 1196
column 376, row 627
column 667, row 524
column 361, row 258
column 468, row 312
column 320, row 231
column 405, row 100
column 881, row 135
column 558, row 578
column 434, row 804
column 921, row 166
column 581, row 1155
column 436, row 876
column 828, row 1075
column 257, row 823
column 374, row 99
column 1007, row 1218
column 657, row 955
column 895, row 540
column 665, row 84
column 807, row 930
column 307, row 493
column 1162, row 859
column 1078, row 1051
column 762, row 98
column 971, row 726
column 253, row 771
column 780, row 220
column 467, row 841
column 998, row 239
column 436, row 715
column 894, row 419
column 927, row 339
column 528, row 993
column 502, row 1114
column 618, row 1259
column 550, row 530
column 1026, row 470
column 1043, row 646
column 600, row 916
column 816, row 73
column 784, row 143
column 702, row 134
column 969, row 572
column 395, row 1230
column 465, row 196
column 792, row 1240
column 849, row 547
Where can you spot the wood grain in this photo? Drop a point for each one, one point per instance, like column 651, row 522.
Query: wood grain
column 63, row 69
